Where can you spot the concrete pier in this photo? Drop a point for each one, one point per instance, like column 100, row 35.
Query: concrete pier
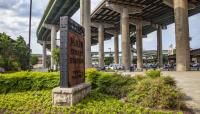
column 182, row 35
column 139, row 46
column 87, row 25
column 116, row 48
column 159, row 47
column 82, row 12
column 101, row 45
column 125, row 39
column 53, row 43
column 44, row 55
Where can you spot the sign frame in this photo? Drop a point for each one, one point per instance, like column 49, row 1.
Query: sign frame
column 68, row 28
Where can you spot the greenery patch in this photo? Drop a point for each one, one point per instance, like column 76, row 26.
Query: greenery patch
column 30, row 92
column 39, row 102
column 25, row 81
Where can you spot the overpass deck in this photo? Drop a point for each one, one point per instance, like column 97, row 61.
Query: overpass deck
column 54, row 10
column 154, row 12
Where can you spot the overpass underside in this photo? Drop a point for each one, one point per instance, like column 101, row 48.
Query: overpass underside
column 133, row 19
column 141, row 17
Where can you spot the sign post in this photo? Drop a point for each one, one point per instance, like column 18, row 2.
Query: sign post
column 72, row 64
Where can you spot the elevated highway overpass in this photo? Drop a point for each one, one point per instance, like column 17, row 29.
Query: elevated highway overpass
column 126, row 17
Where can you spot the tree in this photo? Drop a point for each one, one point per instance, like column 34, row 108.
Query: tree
column 22, row 53
column 6, row 52
column 108, row 60
column 14, row 55
column 34, row 60
column 56, row 56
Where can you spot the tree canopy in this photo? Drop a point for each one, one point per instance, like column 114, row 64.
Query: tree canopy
column 14, row 54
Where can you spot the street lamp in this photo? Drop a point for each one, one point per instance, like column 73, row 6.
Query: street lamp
column 29, row 39
column 30, row 16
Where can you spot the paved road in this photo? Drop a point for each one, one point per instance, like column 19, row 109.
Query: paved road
column 189, row 82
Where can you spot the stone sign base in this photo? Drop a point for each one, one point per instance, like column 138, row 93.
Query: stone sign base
column 70, row 96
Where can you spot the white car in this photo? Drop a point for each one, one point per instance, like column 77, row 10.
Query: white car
column 115, row 67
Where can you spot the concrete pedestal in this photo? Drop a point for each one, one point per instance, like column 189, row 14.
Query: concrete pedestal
column 70, row 96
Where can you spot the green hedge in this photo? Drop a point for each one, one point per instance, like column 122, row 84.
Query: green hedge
column 151, row 90
column 24, row 81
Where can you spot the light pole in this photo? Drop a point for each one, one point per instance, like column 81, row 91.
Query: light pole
column 29, row 38
column 30, row 16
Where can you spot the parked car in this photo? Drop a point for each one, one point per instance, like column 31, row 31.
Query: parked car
column 115, row 67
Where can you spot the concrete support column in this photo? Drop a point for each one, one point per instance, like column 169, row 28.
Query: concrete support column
column 82, row 12
column 44, row 55
column 125, row 39
column 182, row 35
column 101, row 45
column 159, row 47
column 53, row 44
column 139, row 44
column 116, row 48
column 87, row 25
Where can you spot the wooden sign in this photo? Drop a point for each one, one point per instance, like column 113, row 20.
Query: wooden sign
column 72, row 56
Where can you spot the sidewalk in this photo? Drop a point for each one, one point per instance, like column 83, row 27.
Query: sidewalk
column 189, row 82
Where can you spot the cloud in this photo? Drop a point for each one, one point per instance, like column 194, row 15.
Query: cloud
column 14, row 20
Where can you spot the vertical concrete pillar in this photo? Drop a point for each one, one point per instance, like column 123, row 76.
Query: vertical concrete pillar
column 182, row 35
column 159, row 47
column 101, row 45
column 82, row 12
column 131, row 55
column 125, row 39
column 139, row 44
column 53, row 44
column 44, row 55
column 87, row 25
column 116, row 48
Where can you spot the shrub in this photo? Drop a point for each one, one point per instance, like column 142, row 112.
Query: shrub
column 115, row 85
column 155, row 93
column 169, row 81
column 92, row 76
column 139, row 77
column 24, row 81
column 153, row 73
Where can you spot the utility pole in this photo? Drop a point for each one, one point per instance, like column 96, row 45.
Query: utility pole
column 29, row 39
column 30, row 16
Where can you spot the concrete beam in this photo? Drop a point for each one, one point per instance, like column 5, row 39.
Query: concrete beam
column 105, row 25
column 119, row 8
column 170, row 3
column 50, row 26
column 144, row 23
